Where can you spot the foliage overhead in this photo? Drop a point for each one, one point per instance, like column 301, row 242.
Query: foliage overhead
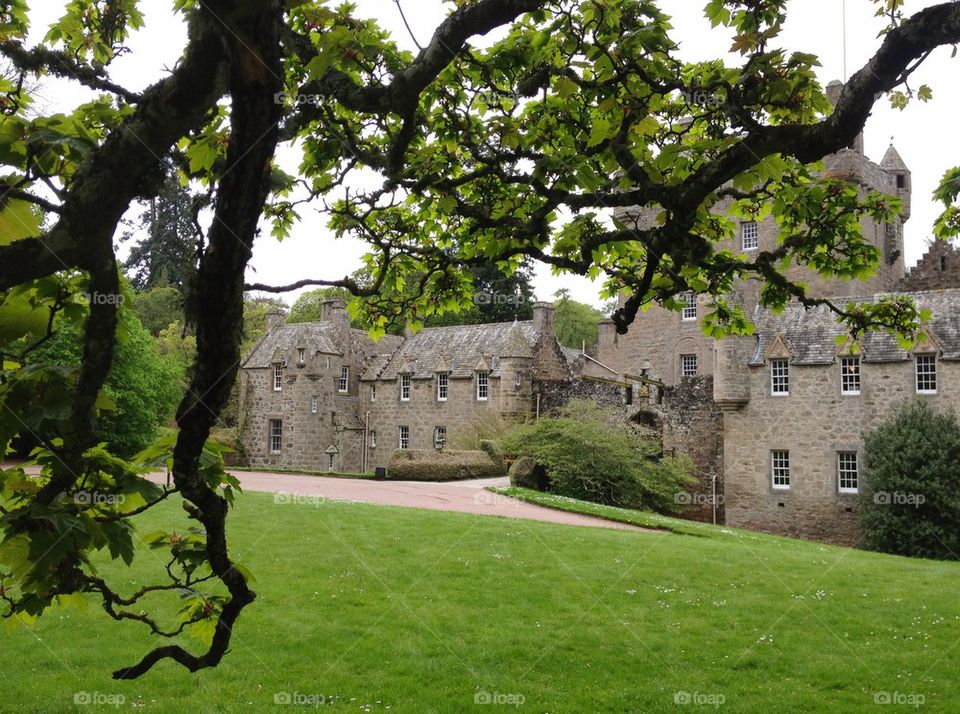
column 513, row 151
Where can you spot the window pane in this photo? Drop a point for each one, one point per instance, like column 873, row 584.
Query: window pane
column 850, row 375
column 780, row 469
column 926, row 373
column 780, row 376
column 751, row 235
column 848, row 471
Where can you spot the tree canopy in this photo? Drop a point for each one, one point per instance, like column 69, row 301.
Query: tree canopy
column 500, row 153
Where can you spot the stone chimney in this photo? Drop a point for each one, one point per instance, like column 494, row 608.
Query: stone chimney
column 543, row 318
column 833, row 92
column 274, row 320
column 333, row 310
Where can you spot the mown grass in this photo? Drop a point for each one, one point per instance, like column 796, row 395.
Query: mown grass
column 404, row 610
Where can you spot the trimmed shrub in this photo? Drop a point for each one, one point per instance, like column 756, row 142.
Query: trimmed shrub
column 527, row 473
column 493, row 451
column 589, row 453
column 445, row 465
column 911, row 505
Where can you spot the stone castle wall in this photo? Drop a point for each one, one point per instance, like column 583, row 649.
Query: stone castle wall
column 938, row 269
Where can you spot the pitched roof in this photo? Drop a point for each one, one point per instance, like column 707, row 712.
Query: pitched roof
column 462, row 347
column 312, row 336
column 892, row 161
column 810, row 334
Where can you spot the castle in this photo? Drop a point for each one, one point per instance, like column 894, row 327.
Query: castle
column 792, row 407
column 774, row 422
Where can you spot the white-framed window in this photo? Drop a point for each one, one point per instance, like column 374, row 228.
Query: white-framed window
column 850, row 375
column 848, row 471
column 926, row 366
column 373, row 438
column 404, row 387
column 314, row 405
column 690, row 308
column 483, row 386
column 277, row 377
column 439, row 436
column 343, row 385
column 780, row 376
column 750, row 235
column 404, row 437
column 373, row 392
column 780, row 469
column 688, row 365
column 443, row 386
column 276, row 436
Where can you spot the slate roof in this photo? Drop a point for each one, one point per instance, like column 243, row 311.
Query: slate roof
column 460, row 349
column 810, row 334
column 312, row 336
column 892, row 161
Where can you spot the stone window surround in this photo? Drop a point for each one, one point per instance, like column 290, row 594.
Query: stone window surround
column 439, row 436
column 405, row 387
column 688, row 364
column 443, row 386
column 343, row 383
column 277, row 377
column 373, row 392
column 404, row 434
column 373, row 438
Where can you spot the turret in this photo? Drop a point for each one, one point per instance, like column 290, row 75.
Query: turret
column 516, row 373
column 900, row 177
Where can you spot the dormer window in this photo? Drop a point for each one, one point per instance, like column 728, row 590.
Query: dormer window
column 343, row 384
column 779, row 377
column 443, row 386
column 926, row 373
column 404, row 387
column 277, row 377
column 373, row 392
column 483, row 386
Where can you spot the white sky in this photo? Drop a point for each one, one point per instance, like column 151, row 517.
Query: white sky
column 921, row 133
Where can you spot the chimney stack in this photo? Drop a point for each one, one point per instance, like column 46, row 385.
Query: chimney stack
column 543, row 318
column 274, row 320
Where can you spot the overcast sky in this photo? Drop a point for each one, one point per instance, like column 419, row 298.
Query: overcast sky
column 921, row 133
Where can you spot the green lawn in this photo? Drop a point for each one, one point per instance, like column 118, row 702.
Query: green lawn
column 388, row 609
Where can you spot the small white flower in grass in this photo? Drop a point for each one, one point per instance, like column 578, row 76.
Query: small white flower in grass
column 631, row 592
